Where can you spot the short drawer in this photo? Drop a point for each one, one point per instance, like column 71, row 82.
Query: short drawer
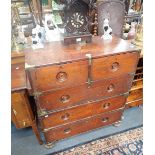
column 77, row 73
column 81, row 94
column 82, row 126
column 114, row 65
column 82, row 111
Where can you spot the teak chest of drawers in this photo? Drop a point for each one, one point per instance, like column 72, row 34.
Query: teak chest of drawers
column 78, row 88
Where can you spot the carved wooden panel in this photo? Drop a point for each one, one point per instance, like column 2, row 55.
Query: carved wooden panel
column 114, row 10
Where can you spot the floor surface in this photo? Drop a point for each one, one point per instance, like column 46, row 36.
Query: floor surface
column 25, row 143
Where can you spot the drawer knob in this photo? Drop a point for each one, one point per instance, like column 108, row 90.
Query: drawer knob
column 65, row 98
column 115, row 66
column 106, row 105
column 61, row 76
column 67, row 131
column 110, row 88
column 104, row 120
column 65, row 117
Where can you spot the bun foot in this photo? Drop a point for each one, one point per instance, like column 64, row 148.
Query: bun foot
column 49, row 145
column 117, row 124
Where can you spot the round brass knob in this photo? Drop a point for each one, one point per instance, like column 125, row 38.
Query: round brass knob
column 115, row 66
column 110, row 88
column 65, row 117
column 104, row 120
column 106, row 105
column 61, row 76
column 67, row 131
column 65, row 98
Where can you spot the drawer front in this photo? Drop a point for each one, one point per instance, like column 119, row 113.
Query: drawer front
column 20, row 112
column 76, row 73
column 82, row 111
column 84, row 125
column 114, row 65
column 59, row 76
column 81, row 94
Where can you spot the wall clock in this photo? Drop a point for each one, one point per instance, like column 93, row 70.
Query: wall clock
column 76, row 19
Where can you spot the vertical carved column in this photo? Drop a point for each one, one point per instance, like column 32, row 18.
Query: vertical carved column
column 95, row 31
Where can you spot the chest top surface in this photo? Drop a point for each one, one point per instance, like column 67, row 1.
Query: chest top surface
column 56, row 52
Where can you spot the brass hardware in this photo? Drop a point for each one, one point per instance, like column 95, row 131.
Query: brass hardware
column 104, row 120
column 65, row 98
column 24, row 123
column 132, row 74
column 110, row 88
column 106, row 105
column 61, row 76
column 17, row 68
column 42, row 112
column 37, row 94
column 115, row 66
column 127, row 94
column 89, row 69
column 27, row 66
column 15, row 112
column 45, row 130
column 67, row 131
column 65, row 117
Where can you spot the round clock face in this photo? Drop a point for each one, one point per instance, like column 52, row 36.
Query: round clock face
column 77, row 20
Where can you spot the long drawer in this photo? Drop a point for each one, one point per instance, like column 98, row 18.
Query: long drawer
column 84, row 125
column 81, row 111
column 77, row 73
column 78, row 95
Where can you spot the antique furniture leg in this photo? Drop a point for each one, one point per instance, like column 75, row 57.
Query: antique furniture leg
column 50, row 145
column 117, row 124
column 36, row 132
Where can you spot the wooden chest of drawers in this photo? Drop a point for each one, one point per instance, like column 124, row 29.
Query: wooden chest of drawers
column 78, row 88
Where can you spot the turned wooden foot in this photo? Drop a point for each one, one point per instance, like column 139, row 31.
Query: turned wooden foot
column 36, row 132
column 117, row 124
column 122, row 118
column 140, row 106
column 49, row 145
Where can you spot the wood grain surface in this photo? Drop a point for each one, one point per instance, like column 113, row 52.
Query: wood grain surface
column 60, row 99
column 81, row 111
column 81, row 126
column 56, row 52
